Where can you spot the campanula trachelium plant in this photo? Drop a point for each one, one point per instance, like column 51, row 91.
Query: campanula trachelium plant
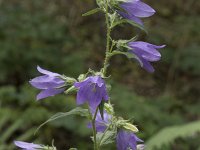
column 92, row 88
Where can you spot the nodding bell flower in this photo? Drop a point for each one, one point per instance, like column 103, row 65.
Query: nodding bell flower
column 134, row 10
column 145, row 53
column 50, row 83
column 91, row 90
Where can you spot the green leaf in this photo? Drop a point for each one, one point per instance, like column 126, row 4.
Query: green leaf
column 91, row 12
column 106, row 138
column 122, row 21
column 76, row 111
column 169, row 134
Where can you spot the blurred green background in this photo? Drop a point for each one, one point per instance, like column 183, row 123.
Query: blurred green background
column 53, row 34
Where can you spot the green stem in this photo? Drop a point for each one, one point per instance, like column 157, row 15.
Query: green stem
column 94, row 129
column 107, row 57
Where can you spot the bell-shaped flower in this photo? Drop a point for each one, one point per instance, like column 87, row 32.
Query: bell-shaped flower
column 127, row 140
column 50, row 83
column 92, row 90
column 134, row 10
column 27, row 146
column 145, row 53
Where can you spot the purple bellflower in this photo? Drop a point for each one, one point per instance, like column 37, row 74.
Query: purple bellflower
column 135, row 9
column 127, row 140
column 145, row 53
column 101, row 124
column 50, row 83
column 28, row 146
column 91, row 90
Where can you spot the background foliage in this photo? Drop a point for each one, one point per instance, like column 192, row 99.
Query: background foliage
column 52, row 34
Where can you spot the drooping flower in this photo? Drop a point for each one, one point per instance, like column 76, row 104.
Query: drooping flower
column 91, row 90
column 101, row 123
column 50, row 83
column 28, row 146
column 127, row 140
column 145, row 53
column 135, row 9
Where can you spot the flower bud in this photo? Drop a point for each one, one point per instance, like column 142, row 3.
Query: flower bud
column 130, row 127
column 109, row 108
column 81, row 77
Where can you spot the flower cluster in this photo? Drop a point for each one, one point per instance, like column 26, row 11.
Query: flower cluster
column 91, row 87
column 143, row 52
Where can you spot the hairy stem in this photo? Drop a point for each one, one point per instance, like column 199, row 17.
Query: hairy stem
column 107, row 57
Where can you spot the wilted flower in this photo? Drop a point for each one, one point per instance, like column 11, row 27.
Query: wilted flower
column 50, row 83
column 91, row 90
column 135, row 9
column 145, row 53
column 101, row 123
column 27, row 146
column 127, row 140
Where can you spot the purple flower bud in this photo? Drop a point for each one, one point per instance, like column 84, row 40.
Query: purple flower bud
column 91, row 90
column 50, row 83
column 145, row 53
column 135, row 9
column 127, row 140
column 101, row 124
column 27, row 146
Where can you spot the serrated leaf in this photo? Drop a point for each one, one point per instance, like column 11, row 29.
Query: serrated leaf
column 122, row 21
column 76, row 111
column 91, row 12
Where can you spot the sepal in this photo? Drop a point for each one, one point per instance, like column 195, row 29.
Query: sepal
column 91, row 12
column 71, row 90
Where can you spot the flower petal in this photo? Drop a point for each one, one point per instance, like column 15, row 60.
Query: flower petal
column 149, row 48
column 82, row 94
column 131, row 17
column 144, row 63
column 49, row 92
column 146, row 55
column 46, row 72
column 27, row 146
column 140, row 9
column 45, row 82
